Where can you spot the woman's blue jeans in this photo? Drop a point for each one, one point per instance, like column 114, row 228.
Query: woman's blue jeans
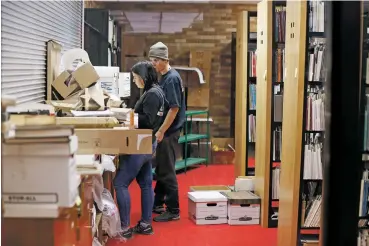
column 132, row 167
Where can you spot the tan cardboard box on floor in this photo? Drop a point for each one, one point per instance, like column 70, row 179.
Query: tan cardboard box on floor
column 81, row 78
column 114, row 141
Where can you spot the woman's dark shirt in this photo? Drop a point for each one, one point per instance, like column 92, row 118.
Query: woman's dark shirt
column 151, row 108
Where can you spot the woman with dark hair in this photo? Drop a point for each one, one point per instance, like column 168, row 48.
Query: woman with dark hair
column 150, row 110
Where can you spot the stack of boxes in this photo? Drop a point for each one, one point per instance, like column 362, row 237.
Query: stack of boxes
column 39, row 170
column 210, row 205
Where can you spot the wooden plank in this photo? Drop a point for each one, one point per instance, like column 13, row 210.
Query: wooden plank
column 53, row 64
column 134, row 44
column 241, row 92
column 263, row 106
column 292, row 123
column 199, row 94
column 200, row 59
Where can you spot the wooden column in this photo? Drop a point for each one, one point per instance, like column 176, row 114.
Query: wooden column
column 241, row 93
column 292, row 123
column 263, row 105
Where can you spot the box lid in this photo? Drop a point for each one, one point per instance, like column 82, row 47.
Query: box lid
column 210, row 188
column 242, row 197
column 207, row 196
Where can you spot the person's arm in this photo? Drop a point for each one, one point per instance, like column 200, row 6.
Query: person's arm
column 150, row 106
column 172, row 113
column 173, row 96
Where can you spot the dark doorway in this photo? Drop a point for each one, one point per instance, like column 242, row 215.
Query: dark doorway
column 96, row 41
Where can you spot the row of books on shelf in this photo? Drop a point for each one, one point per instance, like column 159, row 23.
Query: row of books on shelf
column 313, row 159
column 316, row 16
column 252, row 64
column 364, row 194
column 366, row 124
column 278, row 101
column 317, row 70
column 280, row 63
column 366, row 74
column 279, row 59
column 277, row 143
column 315, row 104
column 252, row 128
column 311, row 210
column 363, row 235
column 280, row 27
column 278, row 104
column 275, row 183
column 311, row 204
column 252, row 96
column 363, row 238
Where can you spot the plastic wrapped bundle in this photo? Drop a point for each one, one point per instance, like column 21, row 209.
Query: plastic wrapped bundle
column 110, row 219
column 96, row 242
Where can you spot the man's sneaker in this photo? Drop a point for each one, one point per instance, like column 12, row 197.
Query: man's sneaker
column 127, row 234
column 166, row 216
column 140, row 228
column 158, row 210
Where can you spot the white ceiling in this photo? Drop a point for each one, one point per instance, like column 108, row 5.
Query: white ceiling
column 156, row 22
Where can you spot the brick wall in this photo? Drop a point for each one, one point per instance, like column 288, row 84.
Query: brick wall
column 213, row 33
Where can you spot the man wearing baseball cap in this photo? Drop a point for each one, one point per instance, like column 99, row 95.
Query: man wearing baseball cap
column 166, row 189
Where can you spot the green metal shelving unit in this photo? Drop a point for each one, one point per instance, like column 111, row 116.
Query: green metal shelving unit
column 190, row 137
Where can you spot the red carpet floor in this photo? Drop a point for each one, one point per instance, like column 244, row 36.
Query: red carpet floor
column 184, row 232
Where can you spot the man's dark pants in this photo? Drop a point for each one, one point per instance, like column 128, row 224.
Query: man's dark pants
column 166, row 189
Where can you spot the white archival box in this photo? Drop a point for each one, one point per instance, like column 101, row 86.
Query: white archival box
column 207, row 207
column 243, row 208
column 109, row 77
column 40, row 180
column 124, row 84
column 244, row 184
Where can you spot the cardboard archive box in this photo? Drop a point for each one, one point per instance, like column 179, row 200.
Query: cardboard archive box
column 118, row 140
column 207, row 207
column 243, row 208
column 245, row 183
column 57, row 182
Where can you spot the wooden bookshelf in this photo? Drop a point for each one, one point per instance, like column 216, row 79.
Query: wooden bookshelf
column 246, row 26
column 296, row 131
column 270, row 36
